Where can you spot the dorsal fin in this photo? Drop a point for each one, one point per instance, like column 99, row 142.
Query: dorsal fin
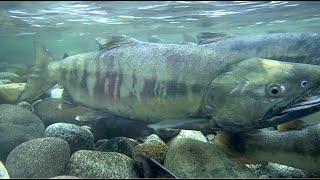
column 113, row 41
column 210, row 37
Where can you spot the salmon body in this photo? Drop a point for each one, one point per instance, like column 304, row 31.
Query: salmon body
column 152, row 82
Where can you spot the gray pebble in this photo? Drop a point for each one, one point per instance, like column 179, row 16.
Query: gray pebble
column 39, row 158
column 78, row 138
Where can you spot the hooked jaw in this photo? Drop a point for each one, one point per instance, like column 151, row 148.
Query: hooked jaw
column 295, row 109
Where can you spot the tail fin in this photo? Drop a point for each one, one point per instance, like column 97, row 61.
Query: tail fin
column 39, row 81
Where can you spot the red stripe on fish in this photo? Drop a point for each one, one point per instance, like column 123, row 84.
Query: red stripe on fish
column 111, row 84
column 149, row 86
column 98, row 89
column 120, row 79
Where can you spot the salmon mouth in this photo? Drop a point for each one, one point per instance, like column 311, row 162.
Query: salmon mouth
column 294, row 110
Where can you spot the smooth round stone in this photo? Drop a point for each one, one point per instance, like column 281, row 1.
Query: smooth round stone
column 190, row 158
column 39, row 158
column 189, row 134
column 153, row 147
column 275, row 170
column 153, row 138
column 283, row 171
column 95, row 164
column 9, row 92
column 17, row 125
column 78, row 137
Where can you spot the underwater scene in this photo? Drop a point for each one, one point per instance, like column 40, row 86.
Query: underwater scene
column 159, row 89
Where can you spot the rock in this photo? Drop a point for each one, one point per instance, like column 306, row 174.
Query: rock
column 17, row 125
column 121, row 145
column 10, row 92
column 190, row 134
column 26, row 105
column 153, row 147
column 50, row 111
column 282, row 171
column 152, row 138
column 275, row 170
column 3, row 172
column 95, row 164
column 210, row 137
column 39, row 158
column 65, row 177
column 258, row 169
column 100, row 142
column 87, row 128
column 5, row 81
column 190, row 158
column 9, row 76
column 264, row 176
column 77, row 137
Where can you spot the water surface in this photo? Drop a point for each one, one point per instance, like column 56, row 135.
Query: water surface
column 72, row 26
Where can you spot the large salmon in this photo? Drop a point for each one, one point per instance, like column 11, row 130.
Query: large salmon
column 221, row 82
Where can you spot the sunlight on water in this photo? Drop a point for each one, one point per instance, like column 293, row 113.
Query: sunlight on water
column 58, row 23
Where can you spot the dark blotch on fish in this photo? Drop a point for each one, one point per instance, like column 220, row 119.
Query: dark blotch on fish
column 196, row 88
column 176, row 89
column 148, row 87
column 63, row 75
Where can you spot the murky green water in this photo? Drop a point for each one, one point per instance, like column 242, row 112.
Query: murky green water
column 72, row 26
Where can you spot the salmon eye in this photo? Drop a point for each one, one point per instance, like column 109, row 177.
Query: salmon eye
column 304, row 83
column 273, row 90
